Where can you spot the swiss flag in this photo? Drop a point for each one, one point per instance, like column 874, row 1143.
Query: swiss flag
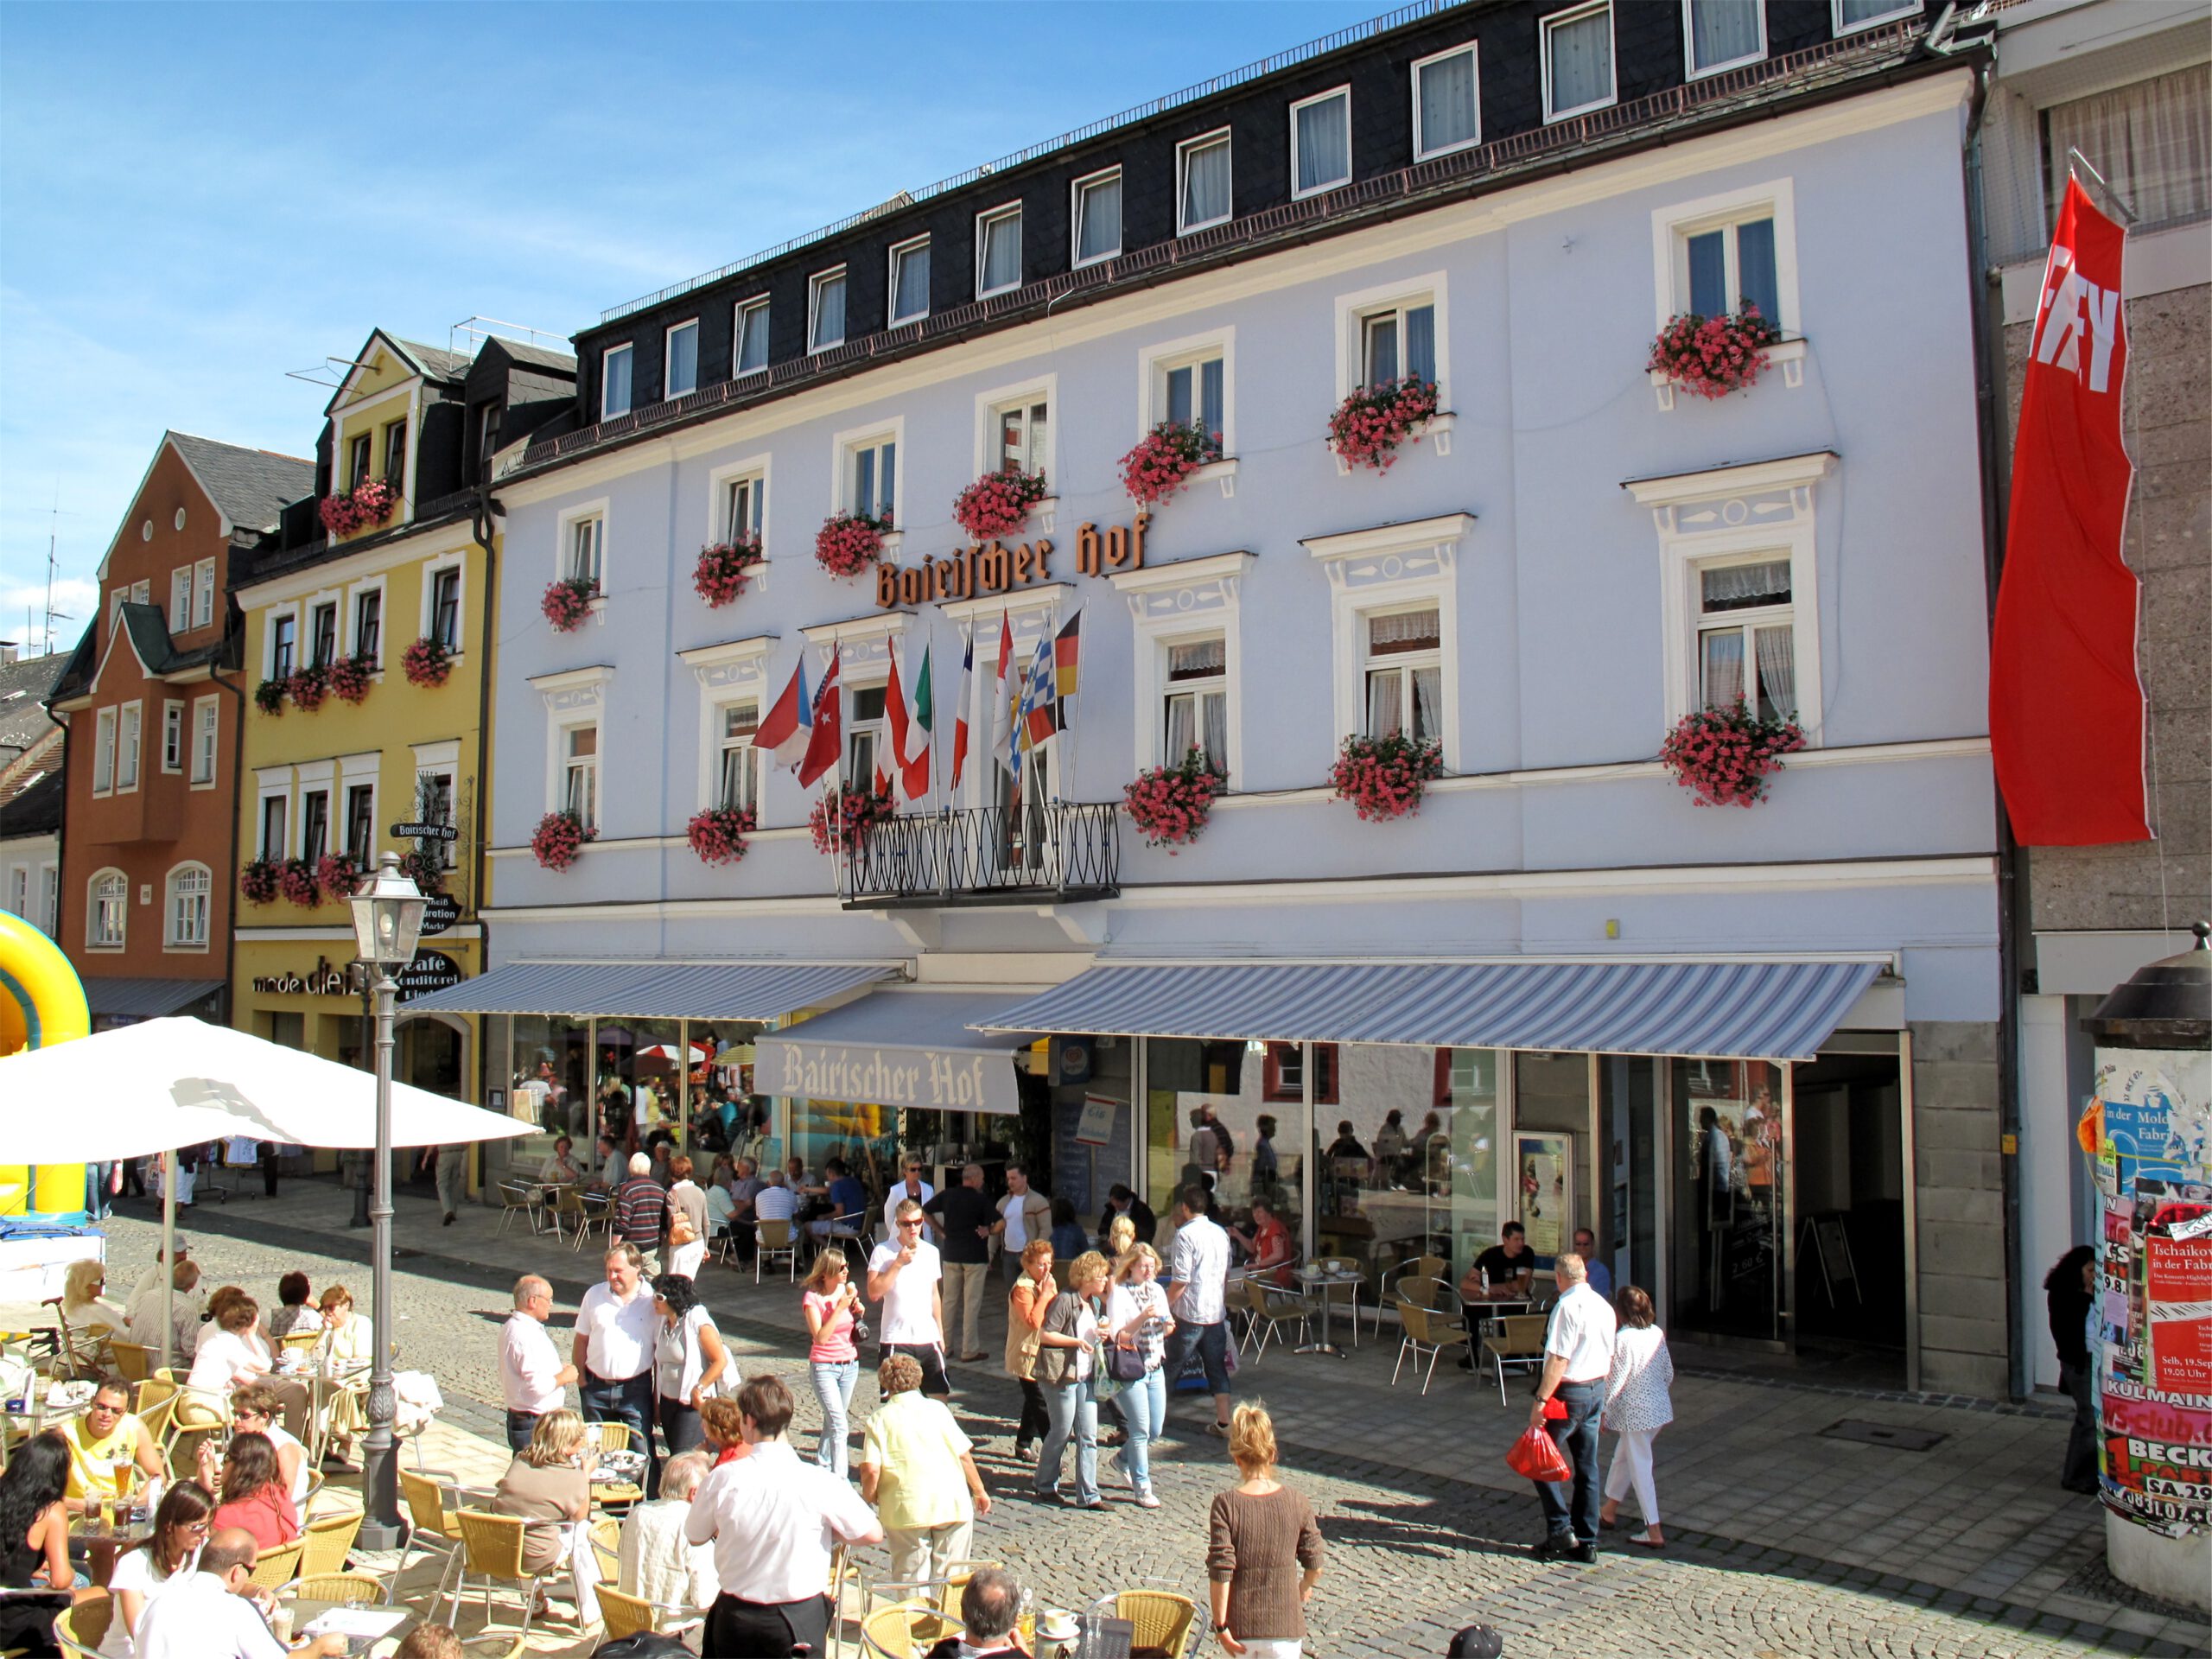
column 2066, row 707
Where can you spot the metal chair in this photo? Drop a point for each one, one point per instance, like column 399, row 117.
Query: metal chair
column 278, row 1567
column 327, row 1542
column 592, row 1210
column 1268, row 1311
column 431, row 1529
column 1519, row 1342
column 775, row 1238
column 1427, row 1331
column 907, row 1629
column 1396, row 1279
column 353, row 1589
column 492, row 1554
column 626, row 1615
column 517, row 1196
column 1167, row 1620
column 80, row 1631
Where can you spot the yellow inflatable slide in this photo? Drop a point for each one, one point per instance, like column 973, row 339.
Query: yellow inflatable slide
column 42, row 1002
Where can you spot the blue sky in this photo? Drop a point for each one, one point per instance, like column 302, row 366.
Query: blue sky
column 199, row 198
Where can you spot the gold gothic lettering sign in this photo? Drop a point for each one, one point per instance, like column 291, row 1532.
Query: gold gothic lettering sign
column 994, row 567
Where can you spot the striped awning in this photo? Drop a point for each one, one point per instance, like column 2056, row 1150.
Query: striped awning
column 1736, row 1010
column 653, row 990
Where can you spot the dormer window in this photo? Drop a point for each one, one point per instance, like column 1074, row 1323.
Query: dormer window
column 910, row 280
column 1577, row 52
column 751, row 353
column 825, row 310
column 682, row 369
column 998, row 251
column 1722, row 34
column 356, row 461
column 1202, row 194
column 1447, row 102
column 1098, row 216
column 395, row 455
column 615, row 383
column 1320, row 143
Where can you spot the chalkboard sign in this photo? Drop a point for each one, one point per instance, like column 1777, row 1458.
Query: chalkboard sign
column 1830, row 1247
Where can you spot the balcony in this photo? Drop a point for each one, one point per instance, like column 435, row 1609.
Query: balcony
column 1049, row 850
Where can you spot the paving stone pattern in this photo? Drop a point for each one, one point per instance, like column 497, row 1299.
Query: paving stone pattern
column 1783, row 1544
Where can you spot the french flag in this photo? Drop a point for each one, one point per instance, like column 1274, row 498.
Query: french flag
column 960, row 726
column 790, row 724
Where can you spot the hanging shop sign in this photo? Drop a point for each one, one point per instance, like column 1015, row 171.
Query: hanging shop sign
column 994, row 568
column 322, row 980
column 431, row 971
column 441, row 913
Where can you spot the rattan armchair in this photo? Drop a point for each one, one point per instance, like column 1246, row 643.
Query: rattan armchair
column 327, row 1541
column 906, row 1630
column 1166, row 1621
column 278, row 1567
column 492, row 1549
column 353, row 1589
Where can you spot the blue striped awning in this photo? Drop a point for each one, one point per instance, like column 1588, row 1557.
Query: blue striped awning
column 653, row 990
column 1736, row 1010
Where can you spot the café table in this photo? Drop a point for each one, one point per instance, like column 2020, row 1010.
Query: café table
column 306, row 1611
column 1322, row 1282
column 103, row 1540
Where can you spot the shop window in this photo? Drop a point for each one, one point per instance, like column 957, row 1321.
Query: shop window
column 1403, row 674
column 190, row 892
column 1285, row 1073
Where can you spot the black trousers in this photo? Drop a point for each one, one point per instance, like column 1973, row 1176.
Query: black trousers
column 1036, row 1421
column 2080, row 1382
column 754, row 1629
column 521, row 1425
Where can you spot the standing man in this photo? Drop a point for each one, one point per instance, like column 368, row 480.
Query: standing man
column 1197, row 1276
column 1120, row 1201
column 532, row 1376
column 904, row 1280
column 911, row 1186
column 1601, row 1276
column 450, row 1165
column 641, row 1211
column 612, row 1352
column 773, row 1521
column 964, row 1221
column 1578, row 1359
column 1024, row 1214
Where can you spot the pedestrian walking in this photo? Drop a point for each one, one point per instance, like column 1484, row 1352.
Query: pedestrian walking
column 832, row 1304
column 532, row 1379
column 448, row 1166
column 1637, row 1406
column 687, row 1220
column 1138, row 1325
column 691, row 1363
column 903, row 1278
column 612, row 1352
column 1263, row 1549
column 964, row 1218
column 1066, row 1368
column 1023, row 1214
column 1577, row 1363
column 1027, row 1304
column 641, row 1212
column 2067, row 1295
column 1197, row 1296
column 918, row 1467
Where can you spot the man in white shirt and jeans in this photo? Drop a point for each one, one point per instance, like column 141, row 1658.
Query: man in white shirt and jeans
column 1578, row 1360
column 612, row 1352
column 532, row 1376
column 215, row 1615
column 1197, row 1278
column 905, row 1279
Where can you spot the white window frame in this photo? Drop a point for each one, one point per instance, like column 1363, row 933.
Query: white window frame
column 50, row 900
column 563, row 793
column 842, row 447
column 272, row 783
column 269, row 618
column 360, row 455
column 564, row 532
column 719, row 748
column 173, row 737
column 1401, row 662
column 316, row 606
column 1155, row 362
column 96, row 938
column 668, row 359
column 180, row 599
column 1690, row 542
column 753, row 468
column 206, row 740
column 573, row 699
column 1296, row 193
column 316, row 777
column 351, row 639
column 1423, row 152
column 814, row 287
column 356, row 772
column 1219, row 135
column 1690, row 72
column 989, row 405
column 104, row 734
column 203, row 593
column 626, row 348
column 432, row 568
column 440, row 759
column 1745, row 623
column 130, row 745
column 1425, row 557
column 1354, row 309
column 1075, row 219
column 1004, row 212
column 1544, row 27
column 1903, row 9
column 1180, row 604
column 173, row 937
column 726, row 674
column 738, row 314
column 893, row 317
column 1673, row 225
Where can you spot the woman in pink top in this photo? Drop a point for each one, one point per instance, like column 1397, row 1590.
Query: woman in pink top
column 833, row 1307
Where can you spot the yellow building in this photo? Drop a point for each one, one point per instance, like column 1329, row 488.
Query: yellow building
column 368, row 639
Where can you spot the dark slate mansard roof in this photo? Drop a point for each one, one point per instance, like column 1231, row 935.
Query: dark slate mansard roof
column 249, row 486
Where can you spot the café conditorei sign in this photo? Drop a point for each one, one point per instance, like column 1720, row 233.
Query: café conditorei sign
column 430, row 970
column 994, row 568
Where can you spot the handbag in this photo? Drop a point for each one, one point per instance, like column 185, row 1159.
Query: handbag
column 679, row 1231
column 1125, row 1365
column 1537, row 1457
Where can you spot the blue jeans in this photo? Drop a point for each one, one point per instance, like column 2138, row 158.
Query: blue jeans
column 1143, row 1406
column 630, row 1400
column 521, row 1425
column 1074, row 1411
column 1212, row 1342
column 833, row 1387
column 1576, row 1435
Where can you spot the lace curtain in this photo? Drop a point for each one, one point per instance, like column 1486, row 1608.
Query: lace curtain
column 2152, row 140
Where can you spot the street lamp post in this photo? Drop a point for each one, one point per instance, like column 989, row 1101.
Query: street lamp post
column 387, row 921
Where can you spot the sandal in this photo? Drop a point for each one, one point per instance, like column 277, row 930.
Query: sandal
column 1649, row 1543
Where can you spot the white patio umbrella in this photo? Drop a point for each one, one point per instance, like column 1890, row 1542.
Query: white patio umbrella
column 165, row 1083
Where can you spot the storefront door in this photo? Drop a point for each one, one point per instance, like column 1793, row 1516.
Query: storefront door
column 1730, row 1199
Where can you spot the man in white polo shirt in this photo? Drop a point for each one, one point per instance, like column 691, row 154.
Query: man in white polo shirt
column 1023, row 1215
column 903, row 1278
column 612, row 1352
column 531, row 1376
column 1578, row 1359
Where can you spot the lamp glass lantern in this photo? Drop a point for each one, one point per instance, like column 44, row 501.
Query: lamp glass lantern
column 388, row 910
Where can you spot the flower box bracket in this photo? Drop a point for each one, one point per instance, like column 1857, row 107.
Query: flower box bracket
column 1787, row 355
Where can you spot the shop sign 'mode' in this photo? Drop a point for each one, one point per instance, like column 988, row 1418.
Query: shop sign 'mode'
column 994, row 567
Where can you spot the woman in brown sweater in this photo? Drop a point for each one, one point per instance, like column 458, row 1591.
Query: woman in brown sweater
column 549, row 1487
column 1261, row 1533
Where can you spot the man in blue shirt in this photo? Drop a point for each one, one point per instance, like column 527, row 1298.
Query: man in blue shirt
column 1601, row 1276
column 847, row 1198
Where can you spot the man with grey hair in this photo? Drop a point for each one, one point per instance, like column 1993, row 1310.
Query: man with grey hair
column 641, row 1212
column 532, row 1376
column 657, row 1562
column 990, row 1605
column 1578, row 1360
column 613, row 1351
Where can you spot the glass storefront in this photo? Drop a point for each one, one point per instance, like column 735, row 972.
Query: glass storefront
column 1731, row 1180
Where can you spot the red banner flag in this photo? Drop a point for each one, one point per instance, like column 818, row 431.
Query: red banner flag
column 2066, row 707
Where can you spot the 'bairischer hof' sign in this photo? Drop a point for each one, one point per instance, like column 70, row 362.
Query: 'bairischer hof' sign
column 944, row 1080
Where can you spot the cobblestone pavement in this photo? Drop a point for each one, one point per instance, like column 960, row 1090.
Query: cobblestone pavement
column 1782, row 1544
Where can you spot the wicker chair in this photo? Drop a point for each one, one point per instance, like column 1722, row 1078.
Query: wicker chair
column 134, row 1361
column 353, row 1589
column 624, row 1615
column 906, row 1630
column 299, row 1342
column 1270, row 1311
column 431, row 1529
column 1166, row 1620
column 777, row 1238
column 1519, row 1342
column 617, row 1495
column 149, row 1391
column 327, row 1542
column 1427, row 1331
column 278, row 1567
column 79, row 1631
column 492, row 1554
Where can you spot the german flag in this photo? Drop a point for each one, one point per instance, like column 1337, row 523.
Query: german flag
column 1067, row 647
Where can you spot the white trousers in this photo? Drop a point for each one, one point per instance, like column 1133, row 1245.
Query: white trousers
column 1633, row 1463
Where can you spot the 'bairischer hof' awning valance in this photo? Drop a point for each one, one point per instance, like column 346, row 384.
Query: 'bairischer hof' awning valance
column 912, row 1048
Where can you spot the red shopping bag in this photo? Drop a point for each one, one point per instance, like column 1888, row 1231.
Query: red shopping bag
column 1536, row 1456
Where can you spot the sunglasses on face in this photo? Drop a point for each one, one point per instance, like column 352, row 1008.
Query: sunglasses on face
column 905, row 1225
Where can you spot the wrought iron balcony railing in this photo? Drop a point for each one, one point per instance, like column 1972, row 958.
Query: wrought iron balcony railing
column 1056, row 850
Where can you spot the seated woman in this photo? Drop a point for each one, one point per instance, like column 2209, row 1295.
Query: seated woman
column 257, row 1408
column 1269, row 1251
column 232, row 1352
column 34, row 1543
column 105, row 1439
column 91, row 1314
column 252, row 1493
column 164, row 1561
column 297, row 1316
column 347, row 1346
column 722, row 1431
column 549, row 1486
column 559, row 1170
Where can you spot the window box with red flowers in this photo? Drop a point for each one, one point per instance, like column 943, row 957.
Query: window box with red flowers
column 1370, row 424
column 997, row 504
column 258, row 881
column 427, row 662
column 1711, row 357
column 370, row 503
column 1726, row 756
column 269, row 696
column 558, row 840
column 1385, row 777
column 296, row 880
column 725, row 570
column 718, row 833
column 348, row 677
column 1170, row 805
column 842, row 818
column 849, row 543
column 308, row 687
column 1166, row 458
column 568, row 603
column 337, row 875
